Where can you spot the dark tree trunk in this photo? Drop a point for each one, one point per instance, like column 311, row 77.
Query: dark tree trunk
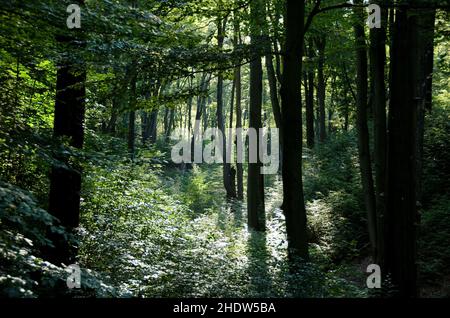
column 221, row 23
column 255, row 184
column 401, row 213
column 321, row 87
column 425, row 53
column 189, row 124
column 170, row 123
column 309, row 82
column 274, row 95
column 166, row 120
column 201, row 103
column 131, row 132
column 65, row 182
column 111, row 127
column 231, row 141
column 273, row 89
column 361, row 126
column 377, row 63
column 153, row 126
column 237, row 78
column 293, row 200
column 145, row 126
column 132, row 115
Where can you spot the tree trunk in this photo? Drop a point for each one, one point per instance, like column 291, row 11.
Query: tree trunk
column 65, row 182
column 377, row 63
column 361, row 126
column 201, row 103
column 145, row 126
column 231, row 141
column 237, row 78
column 221, row 23
column 309, row 82
column 255, row 184
column 132, row 114
column 425, row 52
column 293, row 200
column 401, row 214
column 273, row 87
column 321, row 87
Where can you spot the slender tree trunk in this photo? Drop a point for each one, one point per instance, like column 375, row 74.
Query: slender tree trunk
column 170, row 123
column 189, row 124
column 255, row 184
column 321, row 87
column 231, row 141
column 115, row 106
column 309, row 82
column 201, row 103
column 273, row 87
column 221, row 23
column 362, row 128
column 377, row 62
column 166, row 120
column 132, row 115
column 153, row 130
column 237, row 78
column 293, row 200
column 145, row 126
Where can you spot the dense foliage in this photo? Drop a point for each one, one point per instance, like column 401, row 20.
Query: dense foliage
column 151, row 228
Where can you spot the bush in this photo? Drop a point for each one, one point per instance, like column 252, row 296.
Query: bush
column 23, row 271
column 434, row 238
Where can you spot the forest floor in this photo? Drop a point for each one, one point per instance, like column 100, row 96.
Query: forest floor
column 158, row 231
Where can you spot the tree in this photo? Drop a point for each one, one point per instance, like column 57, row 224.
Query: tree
column 401, row 214
column 321, row 86
column 65, row 180
column 377, row 71
column 424, row 82
column 309, row 92
column 361, row 125
column 221, row 25
column 255, row 184
column 293, row 200
column 132, row 113
column 238, row 88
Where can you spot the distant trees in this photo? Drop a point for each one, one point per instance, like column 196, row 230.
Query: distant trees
column 146, row 81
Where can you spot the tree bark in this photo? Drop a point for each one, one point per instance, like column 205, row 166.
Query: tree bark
column 221, row 23
column 309, row 82
column 401, row 214
column 273, row 87
column 65, row 182
column 377, row 67
column 132, row 114
column 321, row 87
column 255, row 184
column 361, row 125
column 424, row 83
column 237, row 77
column 293, row 200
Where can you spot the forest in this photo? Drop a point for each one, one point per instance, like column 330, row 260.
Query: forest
column 116, row 117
